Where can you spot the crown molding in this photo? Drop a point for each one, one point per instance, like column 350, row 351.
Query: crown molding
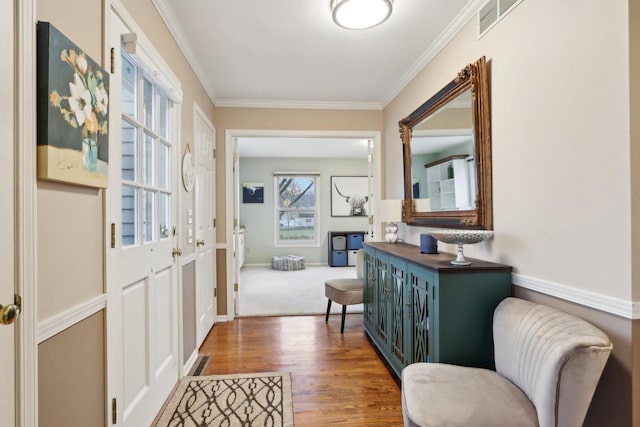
column 166, row 13
column 607, row 304
column 445, row 37
column 314, row 105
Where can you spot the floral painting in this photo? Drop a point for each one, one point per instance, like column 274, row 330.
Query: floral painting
column 73, row 107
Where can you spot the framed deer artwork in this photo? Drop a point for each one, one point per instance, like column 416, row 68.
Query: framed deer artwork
column 350, row 196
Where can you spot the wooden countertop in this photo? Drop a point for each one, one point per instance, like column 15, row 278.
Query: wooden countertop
column 439, row 262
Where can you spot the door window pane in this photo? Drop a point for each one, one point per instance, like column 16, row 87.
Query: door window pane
column 128, row 87
column 129, row 215
column 147, row 165
column 147, row 104
column 163, row 117
column 163, row 215
column 147, row 215
column 162, row 164
column 129, row 151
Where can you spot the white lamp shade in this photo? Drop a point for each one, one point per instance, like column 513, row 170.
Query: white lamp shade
column 389, row 210
column 360, row 14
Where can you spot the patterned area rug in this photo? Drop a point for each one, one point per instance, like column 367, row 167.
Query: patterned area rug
column 245, row 400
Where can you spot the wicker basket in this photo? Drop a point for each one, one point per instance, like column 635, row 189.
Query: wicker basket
column 287, row 262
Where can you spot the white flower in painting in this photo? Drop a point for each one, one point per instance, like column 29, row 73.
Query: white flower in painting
column 81, row 63
column 80, row 100
column 102, row 100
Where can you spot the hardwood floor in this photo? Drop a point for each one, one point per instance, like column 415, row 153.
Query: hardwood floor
column 336, row 379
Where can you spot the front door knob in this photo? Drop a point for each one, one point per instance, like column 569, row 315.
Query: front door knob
column 199, row 242
column 176, row 252
column 9, row 313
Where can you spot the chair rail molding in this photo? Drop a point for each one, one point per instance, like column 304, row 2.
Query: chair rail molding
column 607, row 304
column 58, row 323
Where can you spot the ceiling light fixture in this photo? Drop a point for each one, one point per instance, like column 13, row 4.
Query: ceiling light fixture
column 360, row 14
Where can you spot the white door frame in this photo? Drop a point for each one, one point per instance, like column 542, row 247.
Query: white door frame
column 230, row 134
column 27, row 374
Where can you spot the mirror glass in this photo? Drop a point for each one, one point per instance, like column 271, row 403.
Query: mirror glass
column 447, row 155
column 443, row 168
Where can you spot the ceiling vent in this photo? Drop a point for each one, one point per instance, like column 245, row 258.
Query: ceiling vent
column 492, row 12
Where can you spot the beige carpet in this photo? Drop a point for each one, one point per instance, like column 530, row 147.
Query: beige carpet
column 243, row 400
column 267, row 292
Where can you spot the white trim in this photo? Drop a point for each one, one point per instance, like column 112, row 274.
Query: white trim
column 26, row 218
column 189, row 364
column 230, row 134
column 192, row 58
column 222, row 318
column 186, row 259
column 148, row 57
column 465, row 15
column 309, row 105
column 607, row 304
column 58, row 323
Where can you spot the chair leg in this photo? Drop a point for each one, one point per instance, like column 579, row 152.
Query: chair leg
column 326, row 319
column 344, row 311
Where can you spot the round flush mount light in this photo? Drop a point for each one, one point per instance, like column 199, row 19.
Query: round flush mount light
column 360, row 14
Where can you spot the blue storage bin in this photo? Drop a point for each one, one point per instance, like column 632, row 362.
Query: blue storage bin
column 339, row 258
column 354, row 241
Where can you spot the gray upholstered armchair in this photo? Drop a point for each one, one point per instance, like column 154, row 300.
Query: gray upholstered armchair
column 548, row 364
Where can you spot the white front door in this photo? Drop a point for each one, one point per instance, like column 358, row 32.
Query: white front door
column 206, row 301
column 7, row 211
column 143, row 284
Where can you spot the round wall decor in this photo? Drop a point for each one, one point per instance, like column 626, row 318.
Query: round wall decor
column 188, row 170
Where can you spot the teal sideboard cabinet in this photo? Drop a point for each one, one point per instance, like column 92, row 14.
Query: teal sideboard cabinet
column 420, row 308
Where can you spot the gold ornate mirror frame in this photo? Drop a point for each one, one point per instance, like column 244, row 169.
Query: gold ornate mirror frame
column 474, row 77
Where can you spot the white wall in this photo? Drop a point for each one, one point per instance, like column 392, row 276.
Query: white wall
column 258, row 219
column 559, row 83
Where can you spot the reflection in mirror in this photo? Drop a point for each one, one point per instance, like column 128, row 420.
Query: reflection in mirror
column 443, row 168
column 447, row 155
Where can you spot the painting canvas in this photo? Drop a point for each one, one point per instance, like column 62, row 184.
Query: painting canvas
column 350, row 196
column 72, row 105
column 253, row 192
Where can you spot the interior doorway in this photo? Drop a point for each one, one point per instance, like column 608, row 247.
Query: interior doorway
column 292, row 151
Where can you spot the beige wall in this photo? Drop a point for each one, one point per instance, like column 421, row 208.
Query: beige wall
column 280, row 119
column 71, row 366
column 150, row 21
column 273, row 119
column 560, row 130
column 634, row 91
column 559, row 102
column 71, row 223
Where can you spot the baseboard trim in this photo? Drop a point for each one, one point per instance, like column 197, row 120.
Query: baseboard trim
column 222, row 318
column 607, row 304
column 58, row 323
column 189, row 364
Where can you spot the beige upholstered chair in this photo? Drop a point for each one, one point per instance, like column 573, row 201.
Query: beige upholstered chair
column 346, row 291
column 548, row 364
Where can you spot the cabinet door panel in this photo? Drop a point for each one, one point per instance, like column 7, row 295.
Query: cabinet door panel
column 398, row 310
column 369, row 287
column 381, row 297
column 421, row 334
